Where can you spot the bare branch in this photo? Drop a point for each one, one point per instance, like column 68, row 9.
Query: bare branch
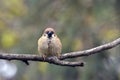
column 27, row 57
column 54, row 60
column 91, row 51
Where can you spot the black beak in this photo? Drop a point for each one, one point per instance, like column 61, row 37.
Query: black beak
column 50, row 34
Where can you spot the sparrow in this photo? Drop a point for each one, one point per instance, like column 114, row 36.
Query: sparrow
column 49, row 44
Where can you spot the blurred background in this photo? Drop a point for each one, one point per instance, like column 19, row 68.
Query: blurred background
column 80, row 24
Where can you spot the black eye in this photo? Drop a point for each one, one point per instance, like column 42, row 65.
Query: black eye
column 52, row 32
column 47, row 32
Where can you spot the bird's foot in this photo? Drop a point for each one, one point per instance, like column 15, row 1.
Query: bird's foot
column 44, row 57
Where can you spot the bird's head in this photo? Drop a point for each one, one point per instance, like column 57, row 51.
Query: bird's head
column 49, row 33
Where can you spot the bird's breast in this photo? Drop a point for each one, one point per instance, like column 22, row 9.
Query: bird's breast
column 47, row 45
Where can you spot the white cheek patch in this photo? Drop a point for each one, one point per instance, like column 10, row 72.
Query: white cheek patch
column 45, row 35
column 53, row 35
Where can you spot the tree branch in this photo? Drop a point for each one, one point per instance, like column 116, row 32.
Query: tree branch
column 54, row 60
column 91, row 51
column 27, row 57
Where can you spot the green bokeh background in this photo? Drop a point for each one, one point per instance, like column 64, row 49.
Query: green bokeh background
column 80, row 24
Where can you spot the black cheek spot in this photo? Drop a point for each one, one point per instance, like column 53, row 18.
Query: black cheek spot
column 44, row 35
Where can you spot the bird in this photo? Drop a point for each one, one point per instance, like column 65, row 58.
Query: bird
column 49, row 44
